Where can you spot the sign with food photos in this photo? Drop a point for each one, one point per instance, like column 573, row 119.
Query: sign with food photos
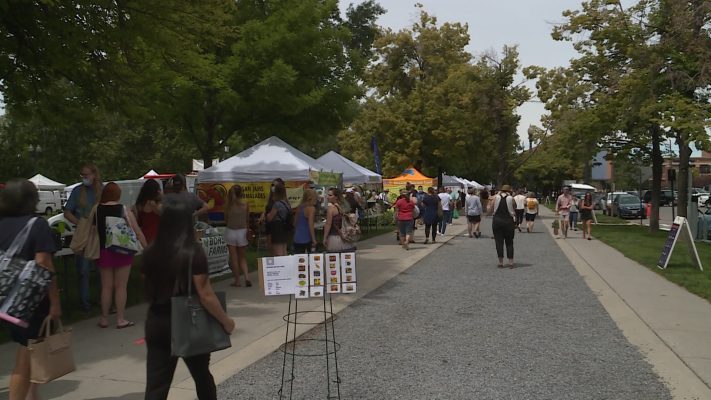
column 308, row 275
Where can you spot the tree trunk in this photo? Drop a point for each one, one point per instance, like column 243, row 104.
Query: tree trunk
column 657, row 167
column 683, row 177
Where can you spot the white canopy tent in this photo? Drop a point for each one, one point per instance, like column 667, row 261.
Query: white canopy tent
column 450, row 181
column 149, row 173
column 474, row 184
column 581, row 186
column 353, row 174
column 269, row 159
column 44, row 183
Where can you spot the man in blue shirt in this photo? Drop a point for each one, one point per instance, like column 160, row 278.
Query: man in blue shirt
column 79, row 205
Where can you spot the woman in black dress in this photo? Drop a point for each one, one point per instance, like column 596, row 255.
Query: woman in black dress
column 165, row 265
column 586, row 214
column 18, row 200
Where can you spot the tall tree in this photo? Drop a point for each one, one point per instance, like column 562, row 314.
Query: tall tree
column 626, row 65
column 433, row 105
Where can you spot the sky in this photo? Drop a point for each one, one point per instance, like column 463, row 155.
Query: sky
column 493, row 24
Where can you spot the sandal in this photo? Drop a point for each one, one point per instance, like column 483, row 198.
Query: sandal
column 102, row 325
column 248, row 283
column 125, row 325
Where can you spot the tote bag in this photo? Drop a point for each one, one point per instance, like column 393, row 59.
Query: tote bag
column 26, row 293
column 85, row 241
column 51, row 355
column 120, row 237
column 193, row 330
column 11, row 266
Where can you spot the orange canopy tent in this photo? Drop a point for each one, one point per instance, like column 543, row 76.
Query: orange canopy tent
column 412, row 175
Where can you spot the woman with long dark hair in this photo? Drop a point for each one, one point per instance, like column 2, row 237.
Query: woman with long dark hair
column 18, row 200
column 431, row 203
column 586, row 214
column 148, row 209
column 278, row 220
column 165, row 265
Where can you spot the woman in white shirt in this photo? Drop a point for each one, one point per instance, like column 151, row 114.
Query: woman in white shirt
column 503, row 224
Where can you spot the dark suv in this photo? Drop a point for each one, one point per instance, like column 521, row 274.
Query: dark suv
column 665, row 199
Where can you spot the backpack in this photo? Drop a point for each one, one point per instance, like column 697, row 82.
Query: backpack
column 350, row 230
column 531, row 204
column 289, row 220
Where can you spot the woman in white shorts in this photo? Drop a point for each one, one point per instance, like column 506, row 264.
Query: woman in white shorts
column 237, row 218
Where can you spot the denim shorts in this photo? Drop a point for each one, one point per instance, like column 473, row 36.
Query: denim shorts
column 406, row 227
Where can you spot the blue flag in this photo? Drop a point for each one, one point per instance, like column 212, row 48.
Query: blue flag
column 376, row 155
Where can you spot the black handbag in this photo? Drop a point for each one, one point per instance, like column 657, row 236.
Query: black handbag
column 193, row 330
column 23, row 284
column 11, row 266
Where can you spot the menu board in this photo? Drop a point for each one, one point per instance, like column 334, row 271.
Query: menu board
column 308, row 275
column 348, row 273
column 279, row 275
column 302, row 283
column 316, row 263
column 669, row 245
column 333, row 272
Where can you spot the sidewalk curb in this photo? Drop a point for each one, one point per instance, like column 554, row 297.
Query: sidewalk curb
column 682, row 381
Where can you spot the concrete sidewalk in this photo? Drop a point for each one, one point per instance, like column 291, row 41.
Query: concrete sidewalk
column 111, row 362
column 670, row 326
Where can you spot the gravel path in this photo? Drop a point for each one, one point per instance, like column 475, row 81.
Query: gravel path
column 455, row 327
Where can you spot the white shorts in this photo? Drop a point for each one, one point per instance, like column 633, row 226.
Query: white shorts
column 236, row 237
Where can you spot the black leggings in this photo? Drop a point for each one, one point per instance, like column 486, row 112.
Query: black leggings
column 519, row 216
column 160, row 365
column 431, row 228
column 503, row 228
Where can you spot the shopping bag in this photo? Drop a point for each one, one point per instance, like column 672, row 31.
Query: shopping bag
column 120, row 237
column 26, row 293
column 51, row 354
column 85, row 241
column 10, row 265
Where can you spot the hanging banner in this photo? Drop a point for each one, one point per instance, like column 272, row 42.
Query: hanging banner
column 256, row 195
column 376, row 155
column 326, row 179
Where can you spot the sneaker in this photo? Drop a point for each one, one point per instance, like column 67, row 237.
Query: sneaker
column 427, row 241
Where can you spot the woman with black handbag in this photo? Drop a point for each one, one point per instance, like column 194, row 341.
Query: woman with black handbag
column 165, row 265
column 17, row 206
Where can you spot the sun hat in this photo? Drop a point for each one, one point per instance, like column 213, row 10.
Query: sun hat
column 505, row 188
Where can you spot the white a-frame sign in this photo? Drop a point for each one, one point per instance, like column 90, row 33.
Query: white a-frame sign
column 680, row 227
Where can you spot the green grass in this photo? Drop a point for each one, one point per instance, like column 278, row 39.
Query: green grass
column 645, row 247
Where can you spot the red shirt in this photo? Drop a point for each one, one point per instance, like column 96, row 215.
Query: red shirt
column 405, row 209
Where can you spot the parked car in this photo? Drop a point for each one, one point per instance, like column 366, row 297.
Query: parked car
column 704, row 200
column 49, row 202
column 707, row 215
column 598, row 200
column 611, row 197
column 628, row 206
column 666, row 198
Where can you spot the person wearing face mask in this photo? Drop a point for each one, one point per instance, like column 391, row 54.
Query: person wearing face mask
column 79, row 205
